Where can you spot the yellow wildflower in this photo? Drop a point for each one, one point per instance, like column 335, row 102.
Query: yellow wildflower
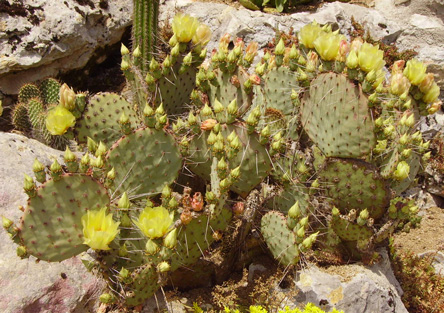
column 184, row 27
column 154, row 222
column 415, row 71
column 59, row 120
column 370, row 57
column 327, row 45
column 308, row 34
column 99, row 229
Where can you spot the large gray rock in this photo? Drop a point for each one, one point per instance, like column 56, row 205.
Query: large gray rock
column 352, row 288
column 45, row 38
column 27, row 286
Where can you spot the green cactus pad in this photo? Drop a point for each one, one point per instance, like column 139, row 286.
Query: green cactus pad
column 175, row 89
column 145, row 284
column 226, row 92
column 196, row 237
column 19, row 117
column 27, row 92
column 253, row 158
column 278, row 84
column 51, row 227
column 280, row 240
column 336, row 117
column 288, row 196
column 354, row 184
column 145, row 161
column 50, row 91
column 349, row 231
column 100, row 120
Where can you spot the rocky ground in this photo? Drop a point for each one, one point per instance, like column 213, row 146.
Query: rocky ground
column 46, row 38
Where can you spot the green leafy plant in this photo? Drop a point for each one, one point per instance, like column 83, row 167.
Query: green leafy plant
column 279, row 5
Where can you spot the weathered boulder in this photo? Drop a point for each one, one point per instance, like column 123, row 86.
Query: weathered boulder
column 27, row 286
column 41, row 38
column 351, row 288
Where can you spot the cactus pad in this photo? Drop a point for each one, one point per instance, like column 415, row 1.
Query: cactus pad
column 51, row 228
column 145, row 161
column 278, row 83
column 350, row 231
column 50, row 91
column 336, row 117
column 355, row 184
column 145, row 284
column 100, row 120
column 280, row 240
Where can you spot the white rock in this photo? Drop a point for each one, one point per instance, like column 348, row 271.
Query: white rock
column 28, row 286
column 365, row 289
column 65, row 38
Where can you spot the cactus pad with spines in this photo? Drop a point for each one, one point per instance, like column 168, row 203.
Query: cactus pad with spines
column 145, row 161
column 288, row 196
column 350, row 231
column 50, row 91
column 253, row 159
column 278, row 84
column 144, row 284
column 51, row 227
column 355, row 184
column 280, row 240
column 336, row 117
column 27, row 92
column 20, row 118
column 100, row 120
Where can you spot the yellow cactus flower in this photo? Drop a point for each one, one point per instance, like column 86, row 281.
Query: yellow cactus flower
column 202, row 35
column 154, row 222
column 432, row 94
column 184, row 27
column 59, row 120
column 308, row 34
column 415, row 71
column 99, row 229
column 370, row 57
column 327, row 45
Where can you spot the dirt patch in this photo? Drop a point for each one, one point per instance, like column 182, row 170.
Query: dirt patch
column 428, row 236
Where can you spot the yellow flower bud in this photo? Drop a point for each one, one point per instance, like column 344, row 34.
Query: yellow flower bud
column 327, row 45
column 432, row 94
column 415, row 71
column 356, row 44
column 67, row 97
column 352, row 60
column 402, row 171
column 398, row 66
column 399, row 84
column 99, row 229
column 427, row 83
column 434, row 107
column 154, row 222
column 184, row 27
column 59, row 120
column 370, row 57
column 308, row 34
column 202, row 35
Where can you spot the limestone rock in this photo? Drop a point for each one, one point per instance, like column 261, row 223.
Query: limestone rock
column 28, row 286
column 354, row 288
column 42, row 38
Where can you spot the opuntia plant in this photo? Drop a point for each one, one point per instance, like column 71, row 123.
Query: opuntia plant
column 315, row 127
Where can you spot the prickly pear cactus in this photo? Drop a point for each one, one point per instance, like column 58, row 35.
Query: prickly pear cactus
column 314, row 126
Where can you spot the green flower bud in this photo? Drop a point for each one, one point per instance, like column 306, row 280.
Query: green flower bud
column 55, row 167
column 294, row 54
column 295, row 211
column 163, row 267
column 232, row 107
column 206, row 111
column 137, row 53
column 123, row 202
column 6, row 222
column 91, row 144
column 173, row 204
column 402, row 171
column 260, row 69
column 235, row 144
column 151, row 247
column 37, row 166
column 404, row 140
column 235, row 173
column 69, row 156
column 280, row 47
column 192, row 120
column 154, row 65
column 406, row 153
column 124, row 65
column 166, row 192
column 170, row 241
column 211, row 140
column 111, row 174
column 101, row 149
column 124, row 50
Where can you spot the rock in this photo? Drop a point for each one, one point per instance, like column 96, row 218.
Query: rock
column 43, row 38
column 28, row 286
column 352, row 288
